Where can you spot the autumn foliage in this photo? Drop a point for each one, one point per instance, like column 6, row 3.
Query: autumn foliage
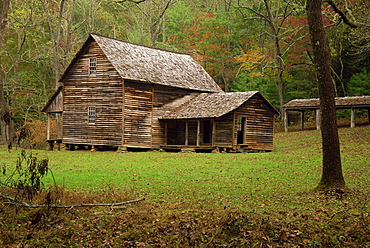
column 33, row 134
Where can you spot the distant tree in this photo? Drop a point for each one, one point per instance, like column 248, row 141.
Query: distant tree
column 59, row 20
column 332, row 175
column 359, row 84
column 147, row 20
column 274, row 14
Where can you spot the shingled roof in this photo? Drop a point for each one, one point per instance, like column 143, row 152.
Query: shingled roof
column 340, row 102
column 152, row 65
column 212, row 105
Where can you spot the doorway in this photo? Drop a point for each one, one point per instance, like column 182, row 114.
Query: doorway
column 207, row 131
column 241, row 129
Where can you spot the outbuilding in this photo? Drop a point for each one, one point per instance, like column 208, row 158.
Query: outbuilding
column 303, row 105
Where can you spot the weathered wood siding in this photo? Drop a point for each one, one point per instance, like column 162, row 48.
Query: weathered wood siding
column 138, row 108
column 56, row 106
column 164, row 102
column 103, row 91
column 259, row 124
column 224, row 131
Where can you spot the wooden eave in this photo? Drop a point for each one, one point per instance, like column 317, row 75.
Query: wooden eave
column 213, row 105
column 52, row 98
column 75, row 58
column 340, row 102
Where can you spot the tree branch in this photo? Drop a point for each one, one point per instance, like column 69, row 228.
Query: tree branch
column 260, row 15
column 345, row 19
column 14, row 201
column 132, row 1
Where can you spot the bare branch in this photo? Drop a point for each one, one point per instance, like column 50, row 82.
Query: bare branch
column 162, row 14
column 132, row 1
column 261, row 16
column 344, row 17
column 253, row 18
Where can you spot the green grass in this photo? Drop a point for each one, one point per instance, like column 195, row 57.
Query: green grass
column 201, row 199
column 293, row 167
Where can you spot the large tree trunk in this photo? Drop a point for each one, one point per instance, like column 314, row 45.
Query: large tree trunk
column 6, row 116
column 332, row 176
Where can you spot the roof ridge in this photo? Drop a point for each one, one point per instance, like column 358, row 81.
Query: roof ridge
column 136, row 44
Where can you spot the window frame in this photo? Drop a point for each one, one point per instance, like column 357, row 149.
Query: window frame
column 91, row 115
column 93, row 62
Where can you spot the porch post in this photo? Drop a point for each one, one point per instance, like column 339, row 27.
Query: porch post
column 213, row 132
column 318, row 119
column 165, row 132
column 353, row 116
column 48, row 128
column 285, row 116
column 302, row 120
column 198, row 133
column 59, row 125
column 186, row 132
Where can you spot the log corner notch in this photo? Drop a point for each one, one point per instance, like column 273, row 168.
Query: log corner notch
column 343, row 15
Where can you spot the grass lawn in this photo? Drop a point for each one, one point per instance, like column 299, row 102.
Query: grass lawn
column 275, row 186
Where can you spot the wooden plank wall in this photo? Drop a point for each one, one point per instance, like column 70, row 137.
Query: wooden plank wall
column 259, row 124
column 57, row 104
column 102, row 91
column 164, row 97
column 224, row 131
column 192, row 132
column 138, row 114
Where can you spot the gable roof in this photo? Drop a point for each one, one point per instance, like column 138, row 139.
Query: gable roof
column 213, row 105
column 340, row 102
column 157, row 66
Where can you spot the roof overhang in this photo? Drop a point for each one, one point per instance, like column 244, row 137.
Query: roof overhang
column 340, row 103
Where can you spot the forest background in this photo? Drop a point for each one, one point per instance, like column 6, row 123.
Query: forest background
column 244, row 45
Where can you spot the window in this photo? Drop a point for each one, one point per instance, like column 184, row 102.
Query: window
column 92, row 67
column 91, row 114
column 241, row 123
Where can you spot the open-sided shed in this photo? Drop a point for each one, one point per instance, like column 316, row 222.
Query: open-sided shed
column 303, row 105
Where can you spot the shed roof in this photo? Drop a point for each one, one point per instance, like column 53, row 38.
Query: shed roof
column 158, row 66
column 340, row 102
column 212, row 105
column 52, row 99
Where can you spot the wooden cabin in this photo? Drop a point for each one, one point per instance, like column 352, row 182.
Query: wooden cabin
column 115, row 93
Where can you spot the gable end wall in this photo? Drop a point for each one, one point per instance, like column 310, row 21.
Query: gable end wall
column 259, row 124
column 102, row 91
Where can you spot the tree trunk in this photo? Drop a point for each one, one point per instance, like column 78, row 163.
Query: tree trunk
column 55, row 38
column 272, row 20
column 6, row 116
column 332, row 176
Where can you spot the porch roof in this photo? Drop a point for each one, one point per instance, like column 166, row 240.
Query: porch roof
column 212, row 105
column 53, row 101
column 340, row 102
